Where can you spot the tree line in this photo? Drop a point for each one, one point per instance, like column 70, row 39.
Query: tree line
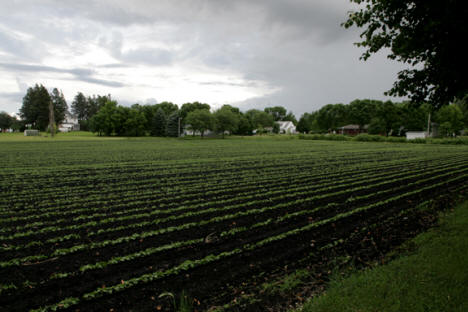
column 386, row 118
column 103, row 115
column 168, row 119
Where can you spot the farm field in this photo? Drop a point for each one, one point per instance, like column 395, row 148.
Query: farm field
column 109, row 224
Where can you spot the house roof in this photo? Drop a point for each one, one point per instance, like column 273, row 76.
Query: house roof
column 350, row 127
column 285, row 125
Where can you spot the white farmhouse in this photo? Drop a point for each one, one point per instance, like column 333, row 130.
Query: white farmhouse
column 286, row 127
column 188, row 131
column 70, row 123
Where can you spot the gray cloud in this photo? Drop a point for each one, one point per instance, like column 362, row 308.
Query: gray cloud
column 80, row 74
column 296, row 47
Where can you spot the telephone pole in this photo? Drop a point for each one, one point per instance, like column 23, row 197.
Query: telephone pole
column 51, row 119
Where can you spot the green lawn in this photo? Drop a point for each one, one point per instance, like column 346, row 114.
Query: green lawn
column 432, row 278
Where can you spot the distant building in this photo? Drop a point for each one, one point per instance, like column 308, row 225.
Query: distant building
column 286, row 127
column 411, row 135
column 70, row 123
column 352, row 129
column 188, row 131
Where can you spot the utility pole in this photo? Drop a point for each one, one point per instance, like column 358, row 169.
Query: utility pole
column 51, row 119
column 178, row 127
column 428, row 124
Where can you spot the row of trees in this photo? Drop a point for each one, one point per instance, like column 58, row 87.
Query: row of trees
column 84, row 108
column 36, row 103
column 386, row 118
column 102, row 115
column 166, row 119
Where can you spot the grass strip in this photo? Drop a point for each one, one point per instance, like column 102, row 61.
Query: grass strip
column 431, row 278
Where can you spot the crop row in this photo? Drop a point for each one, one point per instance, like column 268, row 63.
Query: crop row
column 150, row 182
column 211, row 193
column 216, row 257
column 288, row 202
column 271, row 198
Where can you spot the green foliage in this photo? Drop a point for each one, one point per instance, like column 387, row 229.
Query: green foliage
column 437, row 268
column 167, row 107
column 104, row 122
column 159, row 124
column 328, row 137
column 35, row 108
column 463, row 105
column 172, row 125
column 306, row 122
column 259, row 119
column 244, row 126
column 423, row 34
column 450, row 119
column 59, row 104
column 383, row 118
column 226, row 119
column 361, row 111
column 80, row 106
column 276, row 128
column 112, row 119
column 149, row 198
column 277, row 112
column 186, row 108
column 134, row 124
column 200, row 120
column 377, row 126
column 369, row 138
column 94, row 104
column 6, row 121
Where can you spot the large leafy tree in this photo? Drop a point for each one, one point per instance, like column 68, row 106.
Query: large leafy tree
column 60, row 105
column 463, row 105
column 450, row 119
column 426, row 35
column 413, row 118
column 106, row 120
column 226, row 119
column 93, row 104
column 305, row 124
column 133, row 122
column 6, row 121
column 259, row 119
column 167, row 107
column 362, row 111
column 200, row 120
column 332, row 116
column 186, row 108
column 278, row 112
column 35, row 108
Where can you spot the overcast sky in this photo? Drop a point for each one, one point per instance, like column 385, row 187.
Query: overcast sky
column 247, row 53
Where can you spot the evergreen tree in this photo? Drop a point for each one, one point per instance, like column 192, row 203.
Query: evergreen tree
column 35, row 108
column 172, row 124
column 158, row 125
column 80, row 107
column 60, row 105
